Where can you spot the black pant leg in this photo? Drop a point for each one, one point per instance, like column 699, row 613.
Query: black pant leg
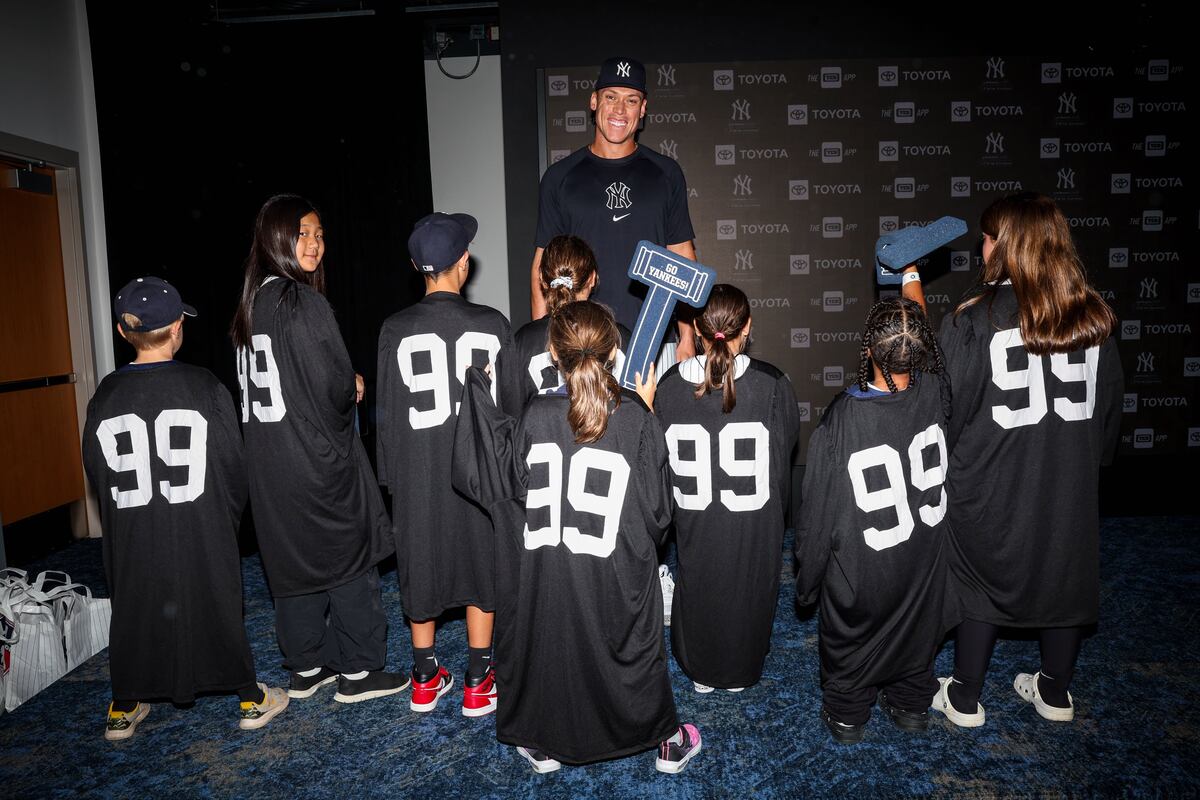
column 358, row 626
column 852, row 707
column 1060, row 650
column 913, row 692
column 302, row 630
column 973, row 645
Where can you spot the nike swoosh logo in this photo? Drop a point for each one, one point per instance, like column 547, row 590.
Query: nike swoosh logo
column 623, row 216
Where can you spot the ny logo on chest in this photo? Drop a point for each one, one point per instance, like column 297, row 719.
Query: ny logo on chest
column 618, row 198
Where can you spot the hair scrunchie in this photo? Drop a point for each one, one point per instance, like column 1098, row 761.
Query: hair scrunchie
column 563, row 280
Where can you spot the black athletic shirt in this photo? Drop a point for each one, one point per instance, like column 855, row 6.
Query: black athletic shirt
column 537, row 372
column 612, row 204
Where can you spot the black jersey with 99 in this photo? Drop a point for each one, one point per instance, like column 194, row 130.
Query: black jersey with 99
column 730, row 475
column 581, row 663
column 1027, row 438
column 443, row 540
column 162, row 450
column 536, row 370
column 872, row 534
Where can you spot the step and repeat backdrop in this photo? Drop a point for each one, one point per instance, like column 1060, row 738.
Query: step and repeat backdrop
column 794, row 168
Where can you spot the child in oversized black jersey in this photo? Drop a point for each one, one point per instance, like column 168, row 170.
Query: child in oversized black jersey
column 872, row 532
column 731, row 423
column 162, row 450
column 578, row 491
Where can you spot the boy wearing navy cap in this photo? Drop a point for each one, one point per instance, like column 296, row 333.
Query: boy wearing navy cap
column 162, row 450
column 444, row 550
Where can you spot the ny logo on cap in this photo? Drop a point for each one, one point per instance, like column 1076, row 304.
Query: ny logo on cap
column 623, row 69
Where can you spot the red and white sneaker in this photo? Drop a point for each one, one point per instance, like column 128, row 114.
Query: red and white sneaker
column 425, row 694
column 479, row 694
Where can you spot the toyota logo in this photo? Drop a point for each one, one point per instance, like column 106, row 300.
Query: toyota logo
column 798, row 113
column 1124, row 108
column 726, row 230
column 961, row 186
column 1192, row 366
column 1050, row 147
column 799, row 189
column 889, row 226
column 799, row 337
column 960, row 261
column 1051, row 73
column 723, row 79
column 1119, row 258
column 558, row 86
column 725, row 155
column 1120, row 183
column 888, row 150
column 1131, row 329
column 888, row 75
column 961, row 111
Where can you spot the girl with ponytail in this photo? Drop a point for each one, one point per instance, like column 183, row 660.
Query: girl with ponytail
column 731, row 423
column 578, row 493
column 568, row 274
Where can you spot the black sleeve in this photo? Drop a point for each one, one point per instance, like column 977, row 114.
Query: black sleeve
column 227, row 451
column 785, row 429
column 966, row 369
column 1109, row 398
column 486, row 466
column 383, row 395
column 813, row 533
column 653, row 479
column 324, row 372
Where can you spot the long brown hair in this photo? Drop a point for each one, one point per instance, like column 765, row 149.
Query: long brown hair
column 582, row 334
column 273, row 252
column 720, row 323
column 568, row 261
column 1057, row 308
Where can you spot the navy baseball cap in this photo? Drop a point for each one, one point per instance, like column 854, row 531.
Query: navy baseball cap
column 153, row 301
column 439, row 240
column 622, row 72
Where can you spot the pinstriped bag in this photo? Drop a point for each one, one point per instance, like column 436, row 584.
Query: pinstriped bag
column 35, row 654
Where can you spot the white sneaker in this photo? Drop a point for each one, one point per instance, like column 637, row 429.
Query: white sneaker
column 941, row 702
column 1027, row 688
column 701, row 688
column 668, row 592
column 541, row 762
column 737, row 689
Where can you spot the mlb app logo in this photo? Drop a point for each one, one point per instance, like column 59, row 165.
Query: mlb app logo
column 960, row 111
column 576, row 122
column 801, row 337
column 558, row 85
column 798, row 190
column 1156, row 146
column 723, row 80
column 833, row 301
column 1131, row 329
column 889, row 151
column 1158, row 69
column 831, row 77
column 725, row 154
column 960, row 186
column 888, row 224
column 726, row 229
column 831, row 227
column 1118, row 257
column 798, row 264
column 1052, row 72
column 960, row 260
column 1143, row 438
column 1129, row 405
column 889, row 76
column 904, row 188
column 831, row 152
column 1122, row 108
column 832, row 376
column 1152, row 221
column 1121, row 182
column 904, row 112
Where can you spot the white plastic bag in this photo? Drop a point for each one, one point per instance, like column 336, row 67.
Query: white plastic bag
column 36, row 657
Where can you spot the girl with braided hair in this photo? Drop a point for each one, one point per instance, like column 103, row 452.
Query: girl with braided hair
column 870, row 541
column 731, row 423
column 1037, row 408
column 578, row 494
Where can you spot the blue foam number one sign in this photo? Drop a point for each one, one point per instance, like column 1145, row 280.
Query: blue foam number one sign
column 896, row 250
column 671, row 278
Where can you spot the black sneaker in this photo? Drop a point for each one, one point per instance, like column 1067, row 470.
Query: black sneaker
column 842, row 732
column 301, row 686
column 372, row 685
column 911, row 721
column 674, row 756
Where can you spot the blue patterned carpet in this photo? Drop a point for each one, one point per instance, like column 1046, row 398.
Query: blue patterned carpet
column 1136, row 733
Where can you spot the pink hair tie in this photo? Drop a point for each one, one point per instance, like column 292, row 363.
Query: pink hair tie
column 719, row 335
